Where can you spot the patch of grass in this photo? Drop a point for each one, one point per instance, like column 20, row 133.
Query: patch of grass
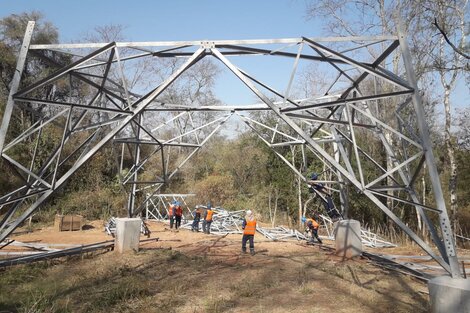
column 340, row 272
column 245, row 289
column 12, row 282
column 90, row 285
column 19, row 274
column 42, row 300
column 117, row 292
column 302, row 276
column 253, row 287
column 32, row 296
column 270, row 280
column 217, row 304
column 175, row 256
column 305, row 289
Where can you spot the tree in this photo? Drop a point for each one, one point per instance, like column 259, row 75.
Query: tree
column 12, row 29
column 463, row 129
column 448, row 64
column 436, row 63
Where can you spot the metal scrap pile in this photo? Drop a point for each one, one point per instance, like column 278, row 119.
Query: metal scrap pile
column 280, row 233
column 110, row 226
column 368, row 238
column 230, row 222
column 224, row 222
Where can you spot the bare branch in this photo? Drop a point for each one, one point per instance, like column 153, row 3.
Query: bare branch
column 449, row 42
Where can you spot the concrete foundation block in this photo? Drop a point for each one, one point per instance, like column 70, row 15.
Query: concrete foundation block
column 348, row 238
column 127, row 234
column 448, row 294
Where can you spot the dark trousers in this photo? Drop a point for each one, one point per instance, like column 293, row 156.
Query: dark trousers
column 315, row 235
column 195, row 225
column 172, row 221
column 177, row 221
column 206, row 226
column 251, row 239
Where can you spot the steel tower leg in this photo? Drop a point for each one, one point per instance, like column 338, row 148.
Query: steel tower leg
column 15, row 82
column 444, row 221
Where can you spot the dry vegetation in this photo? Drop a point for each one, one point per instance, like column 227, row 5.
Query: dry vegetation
column 192, row 272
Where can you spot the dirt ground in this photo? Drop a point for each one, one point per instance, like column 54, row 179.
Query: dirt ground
column 186, row 271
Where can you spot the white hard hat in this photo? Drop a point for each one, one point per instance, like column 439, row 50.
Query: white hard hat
column 248, row 212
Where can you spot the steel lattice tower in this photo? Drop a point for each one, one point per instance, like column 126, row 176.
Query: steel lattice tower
column 336, row 126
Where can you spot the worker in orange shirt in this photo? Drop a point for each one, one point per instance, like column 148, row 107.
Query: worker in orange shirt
column 312, row 225
column 207, row 221
column 178, row 215
column 249, row 229
column 171, row 213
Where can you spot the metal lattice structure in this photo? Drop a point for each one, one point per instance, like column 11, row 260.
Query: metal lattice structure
column 157, row 205
column 91, row 104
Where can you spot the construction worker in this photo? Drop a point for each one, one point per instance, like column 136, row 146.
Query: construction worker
column 320, row 190
column 312, row 226
column 249, row 229
column 171, row 213
column 178, row 215
column 207, row 221
column 197, row 217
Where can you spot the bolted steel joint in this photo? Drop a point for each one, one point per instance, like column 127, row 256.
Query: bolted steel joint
column 208, row 44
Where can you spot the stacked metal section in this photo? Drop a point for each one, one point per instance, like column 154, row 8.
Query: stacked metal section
column 281, row 233
column 158, row 204
column 227, row 222
column 368, row 238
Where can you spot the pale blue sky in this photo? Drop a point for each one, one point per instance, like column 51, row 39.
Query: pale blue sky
column 174, row 20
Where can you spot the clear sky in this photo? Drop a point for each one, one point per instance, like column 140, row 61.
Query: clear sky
column 148, row 20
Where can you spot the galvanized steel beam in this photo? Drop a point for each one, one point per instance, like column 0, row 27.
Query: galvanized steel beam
column 15, row 82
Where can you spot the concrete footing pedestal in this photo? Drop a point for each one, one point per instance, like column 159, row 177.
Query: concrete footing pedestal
column 348, row 238
column 127, row 234
column 448, row 294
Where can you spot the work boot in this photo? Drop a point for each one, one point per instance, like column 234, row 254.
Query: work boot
column 244, row 250
column 252, row 251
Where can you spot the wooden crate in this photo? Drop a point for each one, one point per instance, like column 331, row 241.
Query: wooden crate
column 68, row 222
